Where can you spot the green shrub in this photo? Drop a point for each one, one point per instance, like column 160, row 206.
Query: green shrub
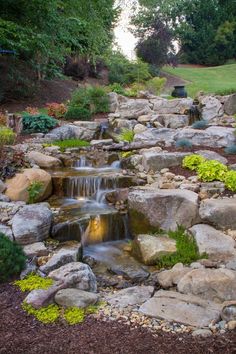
column 34, row 191
column 134, row 89
column 78, row 113
column 192, row 162
column 7, row 136
column 187, row 250
column 12, row 258
column 231, row 150
column 39, row 123
column 126, row 135
column 117, row 88
column 201, row 125
column 230, row 180
column 92, row 98
column 155, row 85
column 69, row 144
column 33, row 282
column 183, row 143
column 212, row 170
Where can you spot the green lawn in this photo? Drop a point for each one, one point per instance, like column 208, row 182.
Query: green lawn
column 219, row 80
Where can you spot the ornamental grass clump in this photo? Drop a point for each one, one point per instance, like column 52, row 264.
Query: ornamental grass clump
column 12, row 258
column 192, row 162
column 126, row 135
column 183, row 143
column 231, row 150
column 7, row 136
column 212, row 170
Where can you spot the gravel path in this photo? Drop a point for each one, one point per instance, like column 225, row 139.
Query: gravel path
column 21, row 334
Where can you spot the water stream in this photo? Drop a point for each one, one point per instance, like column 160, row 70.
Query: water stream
column 86, row 215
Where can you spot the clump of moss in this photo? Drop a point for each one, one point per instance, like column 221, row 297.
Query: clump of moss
column 69, row 144
column 33, row 282
column 49, row 314
column 187, row 250
column 74, row 315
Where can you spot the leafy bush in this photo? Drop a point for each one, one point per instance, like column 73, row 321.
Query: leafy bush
column 39, row 123
column 70, row 143
column 212, row 170
column 183, row 143
column 201, row 124
column 134, row 89
column 33, row 282
column 78, row 113
column 56, row 110
column 49, row 314
column 231, row 150
column 7, row 136
column 93, row 98
column 187, row 250
column 192, row 162
column 126, row 135
column 117, row 88
column 230, row 180
column 124, row 71
column 12, row 258
column 155, row 85
column 34, row 190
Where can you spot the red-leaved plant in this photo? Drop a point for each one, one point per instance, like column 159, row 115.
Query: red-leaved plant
column 56, row 110
column 32, row 111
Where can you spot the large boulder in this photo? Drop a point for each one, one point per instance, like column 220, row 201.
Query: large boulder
column 134, row 108
column 32, row 224
column 152, row 209
column 149, row 249
column 211, row 107
column 73, row 131
column 212, row 155
column 63, row 256
column 42, row 160
column 135, row 295
column 43, row 297
column 75, row 298
column 230, row 105
column 6, row 230
column 211, row 284
column 212, row 241
column 175, row 307
column 154, row 161
column 162, row 135
column 213, row 136
column 219, row 212
column 175, row 106
column 170, row 277
column 76, row 275
column 17, row 187
column 173, row 121
column 37, row 249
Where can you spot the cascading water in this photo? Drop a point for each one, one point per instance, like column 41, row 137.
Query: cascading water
column 94, row 221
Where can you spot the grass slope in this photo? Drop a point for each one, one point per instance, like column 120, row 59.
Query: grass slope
column 219, row 80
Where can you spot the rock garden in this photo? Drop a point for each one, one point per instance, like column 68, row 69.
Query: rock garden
column 128, row 219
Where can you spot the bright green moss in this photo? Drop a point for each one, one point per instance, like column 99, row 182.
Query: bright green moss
column 33, row 282
column 49, row 314
column 74, row 315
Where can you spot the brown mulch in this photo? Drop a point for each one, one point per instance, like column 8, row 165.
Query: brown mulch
column 22, row 334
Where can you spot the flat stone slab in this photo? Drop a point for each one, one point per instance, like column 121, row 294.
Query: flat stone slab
column 36, row 249
column 154, row 161
column 187, row 309
column 131, row 296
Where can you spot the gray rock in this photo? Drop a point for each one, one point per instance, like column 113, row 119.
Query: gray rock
column 212, row 241
column 175, row 106
column 154, row 161
column 32, row 224
column 171, row 277
column 43, row 160
column 30, row 267
column 76, row 275
column 228, row 312
column 162, row 135
column 35, row 249
column 133, row 108
column 230, row 105
column 149, row 249
column 63, row 256
column 211, row 108
column 4, row 198
column 174, row 121
column 6, row 230
column 210, row 284
column 219, row 212
column 130, row 270
column 113, row 101
column 175, row 307
column 75, row 298
column 42, row 298
column 231, row 264
column 130, row 296
column 202, row 333
column 151, row 209
column 61, row 133
column 3, row 187
column 212, row 155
